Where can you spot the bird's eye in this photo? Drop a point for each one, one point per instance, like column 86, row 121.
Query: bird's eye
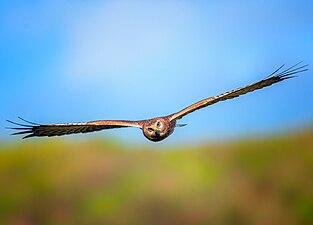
column 150, row 129
column 158, row 124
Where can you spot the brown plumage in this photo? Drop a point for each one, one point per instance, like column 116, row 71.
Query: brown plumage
column 156, row 129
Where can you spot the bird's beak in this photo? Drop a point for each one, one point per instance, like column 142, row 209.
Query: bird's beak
column 155, row 128
column 157, row 133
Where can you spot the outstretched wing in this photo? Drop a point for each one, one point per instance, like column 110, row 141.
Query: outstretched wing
column 38, row 130
column 275, row 77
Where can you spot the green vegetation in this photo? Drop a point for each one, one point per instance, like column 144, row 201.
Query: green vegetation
column 260, row 181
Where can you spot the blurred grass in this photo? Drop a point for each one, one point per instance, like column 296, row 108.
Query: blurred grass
column 255, row 181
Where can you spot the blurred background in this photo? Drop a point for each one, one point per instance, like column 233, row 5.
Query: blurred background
column 244, row 161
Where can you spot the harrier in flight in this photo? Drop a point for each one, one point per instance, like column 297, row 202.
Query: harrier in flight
column 155, row 129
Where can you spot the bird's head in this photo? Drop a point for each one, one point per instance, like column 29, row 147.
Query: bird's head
column 157, row 129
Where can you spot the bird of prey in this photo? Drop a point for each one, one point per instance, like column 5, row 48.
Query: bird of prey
column 155, row 129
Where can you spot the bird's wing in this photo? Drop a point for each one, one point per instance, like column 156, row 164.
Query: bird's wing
column 275, row 77
column 38, row 130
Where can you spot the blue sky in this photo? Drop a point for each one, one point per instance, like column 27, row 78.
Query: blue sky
column 71, row 61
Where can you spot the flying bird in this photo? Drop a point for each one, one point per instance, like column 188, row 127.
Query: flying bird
column 155, row 129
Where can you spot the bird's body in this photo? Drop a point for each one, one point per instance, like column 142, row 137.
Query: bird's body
column 155, row 129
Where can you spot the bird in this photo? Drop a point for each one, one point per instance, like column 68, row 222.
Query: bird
column 154, row 129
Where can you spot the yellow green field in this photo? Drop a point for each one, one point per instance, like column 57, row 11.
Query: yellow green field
column 256, row 181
